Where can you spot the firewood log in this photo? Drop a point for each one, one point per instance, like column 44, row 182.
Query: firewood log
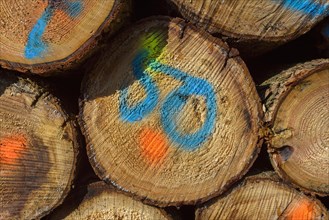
column 170, row 113
column 99, row 201
column 254, row 26
column 297, row 106
column 48, row 36
column 263, row 196
column 38, row 149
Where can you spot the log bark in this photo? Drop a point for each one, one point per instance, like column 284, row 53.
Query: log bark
column 170, row 113
column 38, row 149
column 101, row 201
column 254, row 26
column 263, row 196
column 297, row 103
column 43, row 37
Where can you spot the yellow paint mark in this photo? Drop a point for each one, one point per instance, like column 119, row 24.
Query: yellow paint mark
column 154, row 145
column 12, row 148
column 154, row 43
column 302, row 209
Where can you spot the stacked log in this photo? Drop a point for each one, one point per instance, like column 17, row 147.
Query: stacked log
column 99, row 201
column 297, row 112
column 263, row 196
column 254, row 26
column 48, row 36
column 170, row 114
column 38, row 149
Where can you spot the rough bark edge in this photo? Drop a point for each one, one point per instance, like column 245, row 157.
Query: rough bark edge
column 100, row 171
column 217, row 30
column 276, row 90
column 248, row 45
column 113, row 22
column 279, row 86
column 71, row 123
column 269, row 176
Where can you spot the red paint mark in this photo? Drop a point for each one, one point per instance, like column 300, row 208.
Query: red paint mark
column 154, row 145
column 12, row 148
column 301, row 209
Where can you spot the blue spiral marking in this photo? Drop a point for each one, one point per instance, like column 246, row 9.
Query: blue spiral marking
column 146, row 106
column 35, row 46
column 309, row 7
column 175, row 101
column 172, row 104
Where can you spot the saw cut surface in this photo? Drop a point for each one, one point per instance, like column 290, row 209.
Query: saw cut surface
column 38, row 149
column 38, row 32
column 301, row 133
column 170, row 113
column 263, row 197
column 271, row 20
column 102, row 202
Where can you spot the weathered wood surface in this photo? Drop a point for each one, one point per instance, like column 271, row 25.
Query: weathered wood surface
column 99, row 201
column 254, row 26
column 263, row 196
column 170, row 114
column 38, row 149
column 297, row 104
column 48, row 36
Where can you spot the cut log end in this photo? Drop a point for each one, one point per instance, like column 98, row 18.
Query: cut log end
column 300, row 120
column 102, row 202
column 170, row 113
column 48, row 36
column 263, row 197
column 254, row 25
column 38, row 150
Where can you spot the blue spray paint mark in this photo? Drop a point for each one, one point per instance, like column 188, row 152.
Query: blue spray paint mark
column 35, row 46
column 73, row 9
column 309, row 7
column 143, row 108
column 175, row 101
column 172, row 104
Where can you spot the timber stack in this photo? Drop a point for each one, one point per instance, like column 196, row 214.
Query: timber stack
column 107, row 112
column 39, row 149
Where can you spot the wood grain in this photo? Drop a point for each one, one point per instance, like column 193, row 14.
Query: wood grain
column 263, row 196
column 254, row 26
column 38, row 149
column 170, row 114
column 48, row 36
column 103, row 202
column 297, row 110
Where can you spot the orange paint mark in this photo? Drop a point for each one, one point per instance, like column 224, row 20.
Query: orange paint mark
column 11, row 148
column 300, row 209
column 62, row 16
column 154, row 145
